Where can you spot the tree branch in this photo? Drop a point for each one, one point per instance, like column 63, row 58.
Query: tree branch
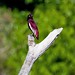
column 35, row 50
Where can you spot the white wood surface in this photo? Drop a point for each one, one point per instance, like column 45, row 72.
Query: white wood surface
column 35, row 50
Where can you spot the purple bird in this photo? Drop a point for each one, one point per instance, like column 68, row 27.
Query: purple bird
column 32, row 26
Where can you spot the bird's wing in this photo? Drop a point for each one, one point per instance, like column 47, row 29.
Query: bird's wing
column 33, row 25
column 33, row 28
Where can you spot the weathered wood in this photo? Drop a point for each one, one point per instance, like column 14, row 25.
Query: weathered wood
column 35, row 50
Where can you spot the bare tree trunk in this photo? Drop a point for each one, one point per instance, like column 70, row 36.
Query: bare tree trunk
column 35, row 50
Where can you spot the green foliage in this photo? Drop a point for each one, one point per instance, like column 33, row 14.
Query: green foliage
column 28, row 1
column 59, row 59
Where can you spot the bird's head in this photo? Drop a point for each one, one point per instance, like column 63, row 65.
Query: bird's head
column 30, row 16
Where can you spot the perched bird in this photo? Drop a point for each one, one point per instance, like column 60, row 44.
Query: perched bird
column 32, row 26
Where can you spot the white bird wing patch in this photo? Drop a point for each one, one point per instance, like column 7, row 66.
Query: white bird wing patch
column 32, row 29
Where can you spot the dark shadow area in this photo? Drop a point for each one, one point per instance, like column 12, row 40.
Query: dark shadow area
column 59, row 59
column 20, row 4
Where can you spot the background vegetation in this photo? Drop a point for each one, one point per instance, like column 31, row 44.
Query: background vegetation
column 48, row 14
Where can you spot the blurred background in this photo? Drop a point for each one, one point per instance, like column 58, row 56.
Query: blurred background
column 59, row 59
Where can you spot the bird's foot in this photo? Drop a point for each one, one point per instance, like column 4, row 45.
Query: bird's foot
column 31, row 35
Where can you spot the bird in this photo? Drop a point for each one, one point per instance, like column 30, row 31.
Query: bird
column 32, row 26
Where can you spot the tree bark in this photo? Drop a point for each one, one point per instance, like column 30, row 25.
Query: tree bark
column 35, row 50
